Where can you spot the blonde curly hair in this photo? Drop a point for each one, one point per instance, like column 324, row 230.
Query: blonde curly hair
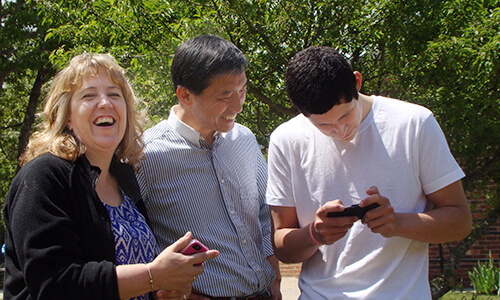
column 54, row 135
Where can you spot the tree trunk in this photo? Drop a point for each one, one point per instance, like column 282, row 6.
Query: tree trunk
column 29, row 116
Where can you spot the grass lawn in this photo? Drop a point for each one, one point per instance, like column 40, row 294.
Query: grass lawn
column 467, row 296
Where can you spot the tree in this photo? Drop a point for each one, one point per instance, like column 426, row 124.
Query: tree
column 441, row 54
column 24, row 68
column 269, row 33
column 460, row 70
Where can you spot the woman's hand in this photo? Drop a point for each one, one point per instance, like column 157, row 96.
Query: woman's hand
column 174, row 271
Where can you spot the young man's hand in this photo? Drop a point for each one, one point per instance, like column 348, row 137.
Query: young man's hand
column 328, row 230
column 382, row 219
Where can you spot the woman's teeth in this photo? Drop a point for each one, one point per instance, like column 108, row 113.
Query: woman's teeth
column 104, row 121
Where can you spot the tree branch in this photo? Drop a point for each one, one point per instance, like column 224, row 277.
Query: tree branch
column 488, row 165
column 11, row 126
column 276, row 108
column 259, row 31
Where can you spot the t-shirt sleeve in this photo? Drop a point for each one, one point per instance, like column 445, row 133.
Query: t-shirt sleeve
column 279, row 187
column 438, row 167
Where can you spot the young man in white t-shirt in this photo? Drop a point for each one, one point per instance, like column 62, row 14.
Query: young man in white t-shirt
column 347, row 148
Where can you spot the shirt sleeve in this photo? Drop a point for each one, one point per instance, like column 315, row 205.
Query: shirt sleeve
column 141, row 180
column 264, row 215
column 280, row 187
column 438, row 167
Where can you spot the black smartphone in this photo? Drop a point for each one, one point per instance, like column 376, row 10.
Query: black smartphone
column 354, row 210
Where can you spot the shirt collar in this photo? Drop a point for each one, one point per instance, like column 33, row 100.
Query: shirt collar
column 186, row 131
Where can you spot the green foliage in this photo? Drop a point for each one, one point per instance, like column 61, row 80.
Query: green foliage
column 444, row 55
column 457, row 76
column 453, row 295
column 12, row 102
column 269, row 33
column 23, row 53
column 485, row 277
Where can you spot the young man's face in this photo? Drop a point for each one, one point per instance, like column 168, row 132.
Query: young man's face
column 341, row 122
column 215, row 109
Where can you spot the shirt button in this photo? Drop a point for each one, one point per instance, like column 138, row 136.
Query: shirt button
column 222, row 181
column 244, row 242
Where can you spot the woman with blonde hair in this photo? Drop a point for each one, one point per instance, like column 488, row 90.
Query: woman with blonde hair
column 75, row 221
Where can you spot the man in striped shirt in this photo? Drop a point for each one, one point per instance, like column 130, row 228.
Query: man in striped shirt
column 205, row 173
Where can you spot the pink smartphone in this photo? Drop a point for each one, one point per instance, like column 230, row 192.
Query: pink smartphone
column 194, row 246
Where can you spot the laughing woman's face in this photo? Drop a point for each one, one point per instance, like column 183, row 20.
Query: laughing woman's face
column 98, row 115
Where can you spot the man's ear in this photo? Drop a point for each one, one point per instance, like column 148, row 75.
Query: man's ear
column 184, row 95
column 359, row 80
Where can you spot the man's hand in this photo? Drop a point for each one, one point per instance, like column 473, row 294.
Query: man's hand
column 328, row 230
column 382, row 219
column 275, row 287
column 275, row 290
column 449, row 220
column 196, row 296
column 172, row 295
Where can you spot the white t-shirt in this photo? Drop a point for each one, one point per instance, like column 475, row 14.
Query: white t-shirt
column 399, row 148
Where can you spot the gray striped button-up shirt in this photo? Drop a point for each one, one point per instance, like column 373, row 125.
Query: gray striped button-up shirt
column 218, row 194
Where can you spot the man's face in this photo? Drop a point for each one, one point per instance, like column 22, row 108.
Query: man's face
column 215, row 109
column 341, row 122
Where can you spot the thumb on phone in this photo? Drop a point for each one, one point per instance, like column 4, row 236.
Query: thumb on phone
column 182, row 242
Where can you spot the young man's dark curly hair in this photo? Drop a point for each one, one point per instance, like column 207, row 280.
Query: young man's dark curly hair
column 318, row 78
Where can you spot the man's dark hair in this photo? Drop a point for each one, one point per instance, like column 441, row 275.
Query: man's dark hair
column 202, row 58
column 318, row 78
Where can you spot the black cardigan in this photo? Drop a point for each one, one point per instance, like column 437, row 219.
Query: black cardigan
column 59, row 239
